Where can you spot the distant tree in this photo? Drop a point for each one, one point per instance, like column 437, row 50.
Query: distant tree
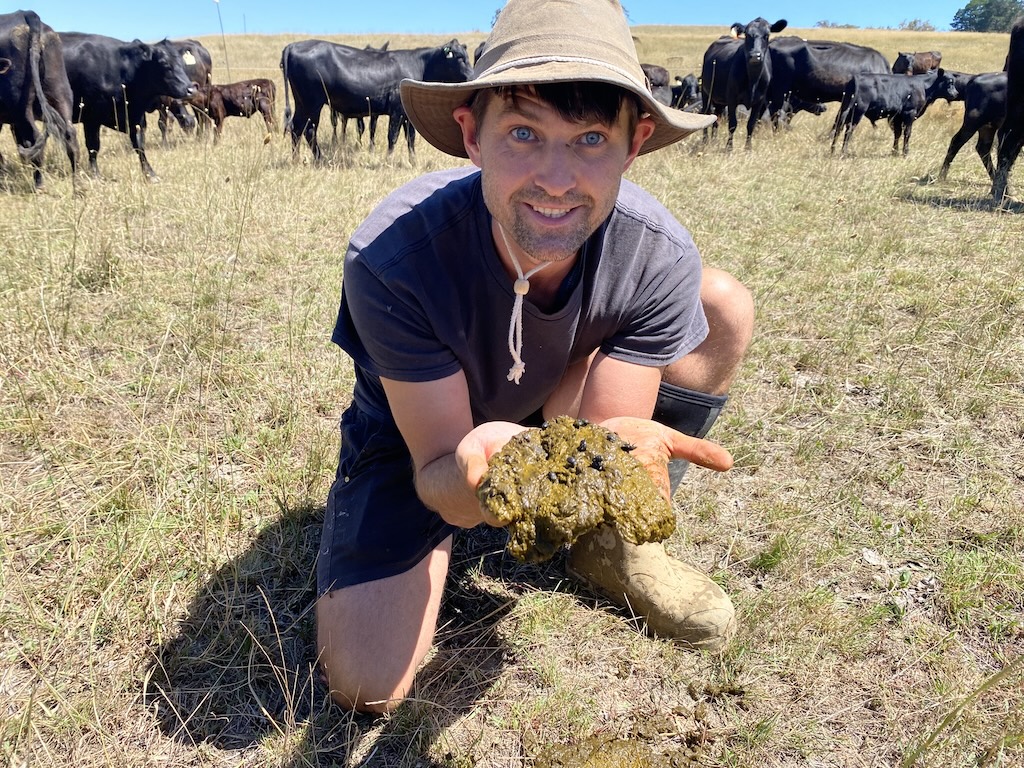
column 916, row 25
column 833, row 25
column 987, row 16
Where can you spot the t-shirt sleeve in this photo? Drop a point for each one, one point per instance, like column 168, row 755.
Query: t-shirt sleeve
column 399, row 343
column 664, row 319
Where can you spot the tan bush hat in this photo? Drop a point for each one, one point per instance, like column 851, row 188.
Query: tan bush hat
column 548, row 41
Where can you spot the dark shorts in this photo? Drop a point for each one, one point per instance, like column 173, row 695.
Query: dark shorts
column 375, row 526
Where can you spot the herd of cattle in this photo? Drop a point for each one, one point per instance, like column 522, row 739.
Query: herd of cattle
column 62, row 78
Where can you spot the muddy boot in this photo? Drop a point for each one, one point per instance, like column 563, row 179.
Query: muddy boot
column 676, row 600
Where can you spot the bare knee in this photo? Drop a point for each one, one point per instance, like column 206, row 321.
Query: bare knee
column 372, row 637
column 713, row 365
column 354, row 681
column 729, row 307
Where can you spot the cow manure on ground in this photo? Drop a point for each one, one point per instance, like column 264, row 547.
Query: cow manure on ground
column 609, row 752
column 553, row 484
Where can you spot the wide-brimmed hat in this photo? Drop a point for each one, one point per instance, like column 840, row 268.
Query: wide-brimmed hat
column 536, row 42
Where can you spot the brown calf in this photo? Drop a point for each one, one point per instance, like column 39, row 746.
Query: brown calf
column 241, row 99
column 916, row 63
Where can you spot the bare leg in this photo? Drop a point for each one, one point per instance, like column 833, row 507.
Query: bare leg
column 372, row 637
column 713, row 365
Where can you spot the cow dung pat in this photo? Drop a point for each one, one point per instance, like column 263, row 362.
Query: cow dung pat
column 553, row 484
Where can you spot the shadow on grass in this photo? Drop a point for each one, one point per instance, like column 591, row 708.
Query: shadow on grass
column 240, row 672
column 982, row 202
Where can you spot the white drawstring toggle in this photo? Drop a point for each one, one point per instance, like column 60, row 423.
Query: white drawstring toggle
column 515, row 325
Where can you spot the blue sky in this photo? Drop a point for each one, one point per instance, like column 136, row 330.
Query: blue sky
column 153, row 19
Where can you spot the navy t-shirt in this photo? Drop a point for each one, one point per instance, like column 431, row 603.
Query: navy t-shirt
column 425, row 295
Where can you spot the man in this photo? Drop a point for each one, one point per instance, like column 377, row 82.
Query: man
column 480, row 300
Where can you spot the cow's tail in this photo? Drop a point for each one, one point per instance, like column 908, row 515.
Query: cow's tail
column 287, row 103
column 52, row 120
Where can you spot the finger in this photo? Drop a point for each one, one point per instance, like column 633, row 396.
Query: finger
column 701, row 452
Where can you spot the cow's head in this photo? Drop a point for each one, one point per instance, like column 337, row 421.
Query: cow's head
column 945, row 86
column 755, row 36
column 450, row 64
column 167, row 68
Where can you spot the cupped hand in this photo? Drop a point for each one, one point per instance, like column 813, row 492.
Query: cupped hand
column 475, row 450
column 656, row 444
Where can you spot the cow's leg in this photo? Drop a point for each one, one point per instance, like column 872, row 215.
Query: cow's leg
column 1009, row 148
column 956, row 144
column 410, row 138
column 268, row 115
column 373, row 131
column 26, row 137
column 908, row 126
column 752, row 120
column 92, row 146
column 309, row 131
column 848, row 134
column 986, row 138
column 137, row 132
column 394, row 127
column 162, row 118
column 70, row 138
column 334, row 127
column 731, row 111
column 842, row 118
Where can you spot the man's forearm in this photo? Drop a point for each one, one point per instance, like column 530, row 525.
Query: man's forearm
column 441, row 485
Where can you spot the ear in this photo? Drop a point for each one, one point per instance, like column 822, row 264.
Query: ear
column 463, row 115
column 644, row 129
column 778, row 26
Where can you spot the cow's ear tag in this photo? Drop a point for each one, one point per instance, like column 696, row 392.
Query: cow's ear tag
column 189, row 58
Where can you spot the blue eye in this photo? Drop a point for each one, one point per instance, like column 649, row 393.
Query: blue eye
column 521, row 133
column 592, row 138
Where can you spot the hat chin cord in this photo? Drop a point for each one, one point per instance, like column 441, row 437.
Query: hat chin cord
column 515, row 325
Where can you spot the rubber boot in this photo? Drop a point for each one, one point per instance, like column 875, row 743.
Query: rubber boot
column 688, row 411
column 675, row 600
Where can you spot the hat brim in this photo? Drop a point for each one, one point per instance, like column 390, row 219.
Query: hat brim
column 429, row 105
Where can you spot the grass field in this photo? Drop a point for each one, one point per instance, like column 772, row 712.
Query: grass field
column 168, row 434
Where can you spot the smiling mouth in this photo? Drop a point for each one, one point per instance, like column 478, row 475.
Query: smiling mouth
column 551, row 213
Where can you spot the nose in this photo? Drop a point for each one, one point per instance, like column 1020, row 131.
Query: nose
column 556, row 169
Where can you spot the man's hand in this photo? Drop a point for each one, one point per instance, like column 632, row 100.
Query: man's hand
column 476, row 449
column 656, row 444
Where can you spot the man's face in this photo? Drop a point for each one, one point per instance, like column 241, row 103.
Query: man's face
column 547, row 181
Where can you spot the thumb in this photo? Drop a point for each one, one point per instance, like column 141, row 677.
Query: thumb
column 698, row 451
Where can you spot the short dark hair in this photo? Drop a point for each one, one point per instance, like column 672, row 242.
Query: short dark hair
column 575, row 101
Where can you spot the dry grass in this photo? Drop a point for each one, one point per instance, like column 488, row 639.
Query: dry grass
column 168, row 420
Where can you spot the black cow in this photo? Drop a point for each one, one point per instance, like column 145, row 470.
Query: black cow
column 355, row 82
column 984, row 98
column 817, row 71
column 115, row 83
column 916, row 63
column 686, row 93
column 901, row 99
column 34, row 86
column 1011, row 132
column 199, row 68
column 360, row 123
column 738, row 72
column 658, row 82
